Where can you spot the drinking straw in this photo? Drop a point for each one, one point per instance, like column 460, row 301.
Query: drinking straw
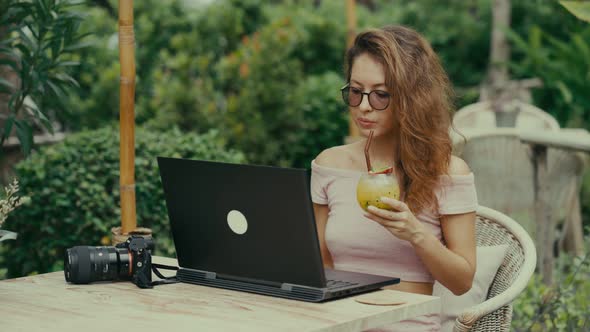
column 367, row 145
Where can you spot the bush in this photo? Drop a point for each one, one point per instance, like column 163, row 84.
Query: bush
column 325, row 117
column 563, row 66
column 74, row 190
column 562, row 307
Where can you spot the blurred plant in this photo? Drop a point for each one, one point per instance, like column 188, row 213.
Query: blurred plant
column 39, row 37
column 581, row 9
column 185, row 90
column 260, row 118
column 564, row 67
column 325, row 117
column 10, row 202
column 561, row 307
column 76, row 193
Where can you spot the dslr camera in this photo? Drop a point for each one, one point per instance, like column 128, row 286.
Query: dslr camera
column 130, row 260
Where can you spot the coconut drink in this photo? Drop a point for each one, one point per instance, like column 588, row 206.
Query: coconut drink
column 376, row 184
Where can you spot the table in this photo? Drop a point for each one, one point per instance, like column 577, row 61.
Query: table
column 540, row 141
column 46, row 302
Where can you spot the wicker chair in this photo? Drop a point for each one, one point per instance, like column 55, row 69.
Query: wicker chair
column 481, row 115
column 504, row 175
column 500, row 163
column 495, row 313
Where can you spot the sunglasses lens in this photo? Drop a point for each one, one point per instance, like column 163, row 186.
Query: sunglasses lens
column 379, row 99
column 353, row 96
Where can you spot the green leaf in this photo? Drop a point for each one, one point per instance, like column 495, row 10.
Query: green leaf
column 565, row 92
column 583, row 47
column 24, row 132
column 8, row 52
column 10, row 63
column 27, row 40
column 8, row 126
column 25, row 52
column 12, row 100
column 57, row 89
column 580, row 9
column 66, row 79
column 67, row 64
column 6, row 86
column 41, row 116
column 77, row 46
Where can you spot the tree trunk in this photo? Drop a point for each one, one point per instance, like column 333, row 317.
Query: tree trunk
column 497, row 75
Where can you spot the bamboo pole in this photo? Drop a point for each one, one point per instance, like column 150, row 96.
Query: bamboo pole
column 353, row 131
column 127, row 116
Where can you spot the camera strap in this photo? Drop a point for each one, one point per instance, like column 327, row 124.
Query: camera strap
column 165, row 280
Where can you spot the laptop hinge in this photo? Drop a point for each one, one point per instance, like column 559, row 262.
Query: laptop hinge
column 289, row 287
column 216, row 276
column 248, row 280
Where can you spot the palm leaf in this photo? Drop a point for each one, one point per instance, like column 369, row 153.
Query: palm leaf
column 580, row 9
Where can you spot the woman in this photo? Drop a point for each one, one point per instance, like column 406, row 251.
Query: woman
column 398, row 90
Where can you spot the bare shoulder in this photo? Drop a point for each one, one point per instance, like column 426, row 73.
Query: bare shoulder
column 458, row 166
column 335, row 157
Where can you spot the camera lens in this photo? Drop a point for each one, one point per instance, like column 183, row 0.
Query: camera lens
column 85, row 264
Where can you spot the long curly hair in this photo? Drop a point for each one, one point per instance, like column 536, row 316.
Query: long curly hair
column 422, row 102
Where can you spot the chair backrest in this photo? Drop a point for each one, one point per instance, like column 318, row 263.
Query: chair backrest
column 495, row 314
column 481, row 115
column 504, row 174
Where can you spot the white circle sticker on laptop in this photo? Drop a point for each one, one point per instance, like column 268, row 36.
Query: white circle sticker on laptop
column 237, row 222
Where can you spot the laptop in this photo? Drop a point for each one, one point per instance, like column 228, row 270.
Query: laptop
column 251, row 228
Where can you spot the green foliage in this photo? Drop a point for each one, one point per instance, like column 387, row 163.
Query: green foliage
column 177, row 49
column 459, row 32
column 563, row 307
column 40, row 36
column 260, row 118
column 75, row 193
column 324, row 117
column 564, row 67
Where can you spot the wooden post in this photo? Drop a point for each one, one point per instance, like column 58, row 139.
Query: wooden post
column 353, row 132
column 127, row 116
column 544, row 220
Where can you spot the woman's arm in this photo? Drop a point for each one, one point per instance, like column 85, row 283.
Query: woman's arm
column 453, row 265
column 321, row 219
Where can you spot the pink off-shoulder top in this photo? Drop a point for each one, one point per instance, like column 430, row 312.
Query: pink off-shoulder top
column 359, row 244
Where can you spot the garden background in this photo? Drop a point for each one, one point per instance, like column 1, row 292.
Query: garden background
column 249, row 81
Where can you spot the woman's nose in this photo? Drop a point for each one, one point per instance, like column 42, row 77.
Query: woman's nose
column 365, row 106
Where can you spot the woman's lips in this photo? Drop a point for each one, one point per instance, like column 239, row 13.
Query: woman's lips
column 365, row 123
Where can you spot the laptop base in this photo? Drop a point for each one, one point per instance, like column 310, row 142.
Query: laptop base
column 288, row 291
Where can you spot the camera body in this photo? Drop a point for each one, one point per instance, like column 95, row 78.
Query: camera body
column 140, row 250
column 130, row 260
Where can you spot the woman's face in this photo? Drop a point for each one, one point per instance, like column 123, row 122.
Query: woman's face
column 367, row 74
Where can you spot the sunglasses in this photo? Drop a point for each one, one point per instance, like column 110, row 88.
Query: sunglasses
column 378, row 99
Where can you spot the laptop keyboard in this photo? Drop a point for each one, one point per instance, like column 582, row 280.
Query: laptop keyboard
column 332, row 284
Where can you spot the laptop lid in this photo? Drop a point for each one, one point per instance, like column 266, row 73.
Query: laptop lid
column 247, row 222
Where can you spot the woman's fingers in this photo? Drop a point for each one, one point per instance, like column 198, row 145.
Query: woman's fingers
column 387, row 214
column 399, row 225
column 395, row 204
